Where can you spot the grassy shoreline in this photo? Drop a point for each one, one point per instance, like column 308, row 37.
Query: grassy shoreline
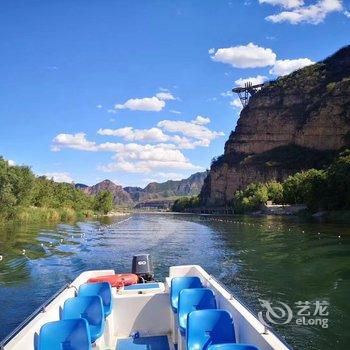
column 47, row 215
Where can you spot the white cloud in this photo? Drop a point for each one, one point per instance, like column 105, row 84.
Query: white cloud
column 131, row 134
column 200, row 133
column 132, row 157
column 154, row 104
column 99, row 106
column 248, row 56
column 211, row 51
column 314, row 13
column 347, row 14
column 174, row 111
column 74, row 141
column 227, row 94
column 137, row 158
column 143, row 158
column 259, row 79
column 154, row 135
column 148, row 166
column 112, row 111
column 289, row 4
column 170, row 176
column 236, row 103
column 11, row 162
column 165, row 96
column 142, row 104
column 201, row 120
column 59, row 177
column 284, row 67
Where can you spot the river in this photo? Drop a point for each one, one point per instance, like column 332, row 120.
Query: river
column 271, row 258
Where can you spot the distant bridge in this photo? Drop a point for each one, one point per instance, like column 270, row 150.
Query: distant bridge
column 161, row 204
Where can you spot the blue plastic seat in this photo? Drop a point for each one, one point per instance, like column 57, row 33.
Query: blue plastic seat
column 65, row 335
column 180, row 283
column 89, row 308
column 207, row 327
column 233, row 346
column 191, row 300
column 103, row 289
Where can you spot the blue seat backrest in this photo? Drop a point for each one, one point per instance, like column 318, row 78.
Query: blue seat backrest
column 70, row 334
column 102, row 289
column 191, row 300
column 207, row 327
column 180, row 283
column 233, row 346
column 88, row 307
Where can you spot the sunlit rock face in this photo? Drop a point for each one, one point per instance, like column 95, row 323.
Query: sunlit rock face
column 294, row 123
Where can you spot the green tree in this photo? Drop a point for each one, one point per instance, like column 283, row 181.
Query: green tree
column 184, row 203
column 251, row 198
column 305, row 187
column 275, row 192
column 104, row 202
column 338, row 184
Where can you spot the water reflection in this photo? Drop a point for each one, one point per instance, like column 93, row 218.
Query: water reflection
column 268, row 258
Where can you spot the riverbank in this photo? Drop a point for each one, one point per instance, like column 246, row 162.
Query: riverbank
column 38, row 214
column 54, row 215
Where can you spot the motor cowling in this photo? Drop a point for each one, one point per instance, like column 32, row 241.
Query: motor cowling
column 142, row 267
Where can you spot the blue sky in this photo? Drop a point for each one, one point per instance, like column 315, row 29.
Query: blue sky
column 136, row 91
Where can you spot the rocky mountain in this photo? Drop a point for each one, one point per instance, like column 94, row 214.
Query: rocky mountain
column 120, row 197
column 81, row 186
column 295, row 122
column 155, row 190
column 132, row 195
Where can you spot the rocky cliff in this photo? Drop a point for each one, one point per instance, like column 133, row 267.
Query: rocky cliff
column 293, row 123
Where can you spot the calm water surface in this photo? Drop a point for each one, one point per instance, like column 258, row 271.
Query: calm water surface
column 276, row 259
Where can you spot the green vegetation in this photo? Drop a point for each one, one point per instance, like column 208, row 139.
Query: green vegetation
column 185, row 203
column 319, row 189
column 25, row 197
column 103, row 202
column 251, row 198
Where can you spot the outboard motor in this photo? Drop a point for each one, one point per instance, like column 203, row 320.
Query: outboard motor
column 142, row 267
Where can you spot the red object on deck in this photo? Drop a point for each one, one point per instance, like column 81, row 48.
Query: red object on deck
column 118, row 281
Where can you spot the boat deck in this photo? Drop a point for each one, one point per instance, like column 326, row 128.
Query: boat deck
column 160, row 342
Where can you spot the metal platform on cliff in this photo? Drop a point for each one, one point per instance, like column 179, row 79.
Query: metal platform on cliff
column 246, row 91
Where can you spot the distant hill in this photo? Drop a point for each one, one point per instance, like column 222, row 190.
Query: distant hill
column 153, row 191
column 120, row 197
column 81, row 186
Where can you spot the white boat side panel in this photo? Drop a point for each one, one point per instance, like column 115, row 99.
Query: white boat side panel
column 248, row 328
column 146, row 313
column 26, row 338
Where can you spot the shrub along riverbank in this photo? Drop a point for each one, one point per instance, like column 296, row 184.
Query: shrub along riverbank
column 327, row 189
column 26, row 197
